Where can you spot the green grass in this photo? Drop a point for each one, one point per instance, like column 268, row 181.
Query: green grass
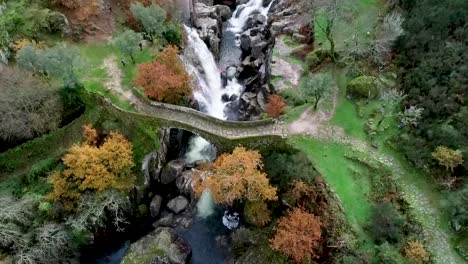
column 130, row 70
column 94, row 76
column 345, row 113
column 349, row 180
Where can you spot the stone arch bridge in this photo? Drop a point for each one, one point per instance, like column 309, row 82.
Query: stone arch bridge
column 224, row 134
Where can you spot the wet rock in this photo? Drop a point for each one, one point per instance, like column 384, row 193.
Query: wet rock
column 178, row 204
column 231, row 72
column 184, row 182
column 266, row 2
column 261, row 101
column 172, row 170
column 278, row 26
column 225, row 98
column 155, row 206
column 224, row 12
column 241, row 2
column 245, row 42
column 162, row 245
column 167, row 220
column 233, row 97
column 258, row 48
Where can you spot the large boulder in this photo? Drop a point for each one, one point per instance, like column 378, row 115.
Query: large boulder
column 178, row 204
column 58, row 23
column 363, row 87
column 155, row 206
column 161, row 246
column 224, row 12
column 184, row 182
column 172, row 170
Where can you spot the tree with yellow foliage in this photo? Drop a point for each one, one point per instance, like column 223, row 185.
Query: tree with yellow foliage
column 237, row 176
column 447, row 157
column 415, row 251
column 94, row 168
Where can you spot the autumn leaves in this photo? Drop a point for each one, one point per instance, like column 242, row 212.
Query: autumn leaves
column 238, row 177
column 97, row 165
column 164, row 79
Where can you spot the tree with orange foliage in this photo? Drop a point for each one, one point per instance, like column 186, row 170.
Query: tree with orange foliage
column 90, row 135
column 94, row 168
column 237, row 176
column 301, row 193
column 298, row 236
column 164, row 79
column 275, row 105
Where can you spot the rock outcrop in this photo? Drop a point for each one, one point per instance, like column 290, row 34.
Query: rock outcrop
column 172, row 170
column 209, row 23
column 256, row 43
column 155, row 206
column 178, row 204
column 161, row 246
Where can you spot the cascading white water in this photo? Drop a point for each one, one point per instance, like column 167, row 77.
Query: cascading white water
column 242, row 13
column 210, row 90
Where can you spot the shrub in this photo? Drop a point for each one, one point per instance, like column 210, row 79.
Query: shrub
column 298, row 236
column 387, row 254
column 458, row 208
column 386, row 223
column 28, row 106
column 362, row 87
column 257, row 213
column 416, row 252
column 151, row 17
column 285, row 167
column 312, row 60
column 275, row 106
column 447, row 157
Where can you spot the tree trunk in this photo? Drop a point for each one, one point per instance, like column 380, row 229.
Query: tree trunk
column 133, row 59
column 316, row 103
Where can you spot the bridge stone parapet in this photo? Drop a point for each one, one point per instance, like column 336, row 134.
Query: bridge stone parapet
column 224, row 134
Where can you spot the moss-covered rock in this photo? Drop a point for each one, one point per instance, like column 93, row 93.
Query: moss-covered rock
column 312, row 60
column 160, row 246
column 363, row 87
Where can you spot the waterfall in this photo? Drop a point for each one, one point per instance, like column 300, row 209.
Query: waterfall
column 208, row 90
column 243, row 12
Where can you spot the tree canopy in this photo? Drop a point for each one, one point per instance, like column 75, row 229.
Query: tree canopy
column 164, row 79
column 28, row 106
column 237, row 176
column 94, row 168
column 298, row 235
